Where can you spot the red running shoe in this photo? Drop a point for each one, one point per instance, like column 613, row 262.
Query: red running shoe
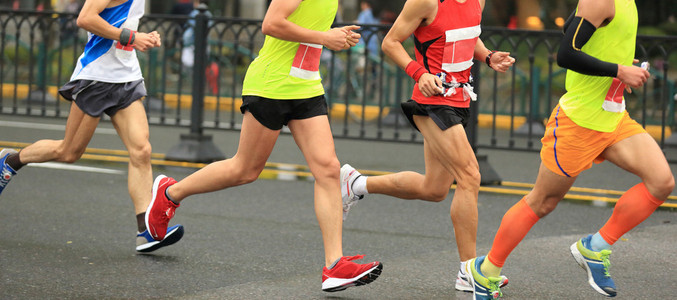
column 347, row 273
column 160, row 210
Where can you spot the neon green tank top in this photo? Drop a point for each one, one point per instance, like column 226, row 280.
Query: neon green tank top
column 596, row 102
column 291, row 70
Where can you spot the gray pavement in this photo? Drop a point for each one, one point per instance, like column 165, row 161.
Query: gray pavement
column 68, row 234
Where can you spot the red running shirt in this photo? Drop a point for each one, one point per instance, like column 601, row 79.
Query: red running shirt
column 447, row 45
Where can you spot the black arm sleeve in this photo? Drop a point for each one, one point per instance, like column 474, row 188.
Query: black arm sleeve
column 577, row 32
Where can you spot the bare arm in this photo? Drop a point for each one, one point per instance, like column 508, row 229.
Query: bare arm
column 596, row 11
column 89, row 20
column 275, row 24
column 411, row 17
column 499, row 60
column 414, row 13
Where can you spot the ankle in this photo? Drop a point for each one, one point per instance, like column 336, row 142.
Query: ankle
column 14, row 162
column 490, row 270
column 141, row 222
column 360, row 185
column 170, row 198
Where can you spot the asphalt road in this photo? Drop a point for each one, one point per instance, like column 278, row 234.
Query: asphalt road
column 69, row 234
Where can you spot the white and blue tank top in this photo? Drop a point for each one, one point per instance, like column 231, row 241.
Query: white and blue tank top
column 107, row 60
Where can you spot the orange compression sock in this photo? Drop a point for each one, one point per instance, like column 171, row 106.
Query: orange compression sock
column 515, row 225
column 635, row 206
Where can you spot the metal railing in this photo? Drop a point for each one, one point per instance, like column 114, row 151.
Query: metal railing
column 39, row 50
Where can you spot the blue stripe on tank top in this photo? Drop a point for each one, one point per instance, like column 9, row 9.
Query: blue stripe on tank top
column 98, row 46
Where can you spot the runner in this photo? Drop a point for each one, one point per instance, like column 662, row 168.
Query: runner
column 589, row 125
column 283, row 87
column 107, row 79
column 447, row 40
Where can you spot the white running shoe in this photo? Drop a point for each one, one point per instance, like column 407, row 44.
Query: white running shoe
column 463, row 283
column 348, row 177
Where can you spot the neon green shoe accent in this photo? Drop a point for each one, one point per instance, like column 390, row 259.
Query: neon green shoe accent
column 489, row 286
column 602, row 256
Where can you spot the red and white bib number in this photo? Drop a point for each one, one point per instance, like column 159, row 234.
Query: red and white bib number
column 306, row 63
column 459, row 48
column 614, row 102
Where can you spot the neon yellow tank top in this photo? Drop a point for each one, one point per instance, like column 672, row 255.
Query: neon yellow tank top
column 291, row 70
column 596, row 102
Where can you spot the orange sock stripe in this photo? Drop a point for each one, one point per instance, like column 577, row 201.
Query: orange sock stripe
column 515, row 225
column 634, row 206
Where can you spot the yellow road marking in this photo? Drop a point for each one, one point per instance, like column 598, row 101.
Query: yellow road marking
column 302, row 171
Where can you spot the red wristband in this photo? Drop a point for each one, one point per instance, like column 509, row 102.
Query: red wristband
column 127, row 37
column 415, row 70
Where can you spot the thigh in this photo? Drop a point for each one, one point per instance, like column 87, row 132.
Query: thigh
column 450, row 147
column 132, row 125
column 314, row 138
column 436, row 175
column 640, row 155
column 80, row 128
column 256, row 143
column 549, row 189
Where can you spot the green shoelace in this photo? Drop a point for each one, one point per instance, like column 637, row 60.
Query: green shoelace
column 604, row 256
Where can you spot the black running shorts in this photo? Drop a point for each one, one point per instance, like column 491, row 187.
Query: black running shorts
column 96, row 98
column 443, row 115
column 274, row 113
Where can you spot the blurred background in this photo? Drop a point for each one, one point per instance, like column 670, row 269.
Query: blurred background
column 199, row 86
column 656, row 17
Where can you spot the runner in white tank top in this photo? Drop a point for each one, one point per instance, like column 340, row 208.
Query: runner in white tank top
column 107, row 79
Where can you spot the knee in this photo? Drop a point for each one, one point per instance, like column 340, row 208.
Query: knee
column 140, row 154
column 436, row 195
column 663, row 187
column 246, row 172
column 327, row 171
column 542, row 207
column 469, row 178
column 69, row 155
column 249, row 175
column 668, row 186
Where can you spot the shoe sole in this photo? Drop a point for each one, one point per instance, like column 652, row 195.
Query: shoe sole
column 156, row 184
column 171, row 238
column 581, row 262
column 365, row 278
column 461, row 287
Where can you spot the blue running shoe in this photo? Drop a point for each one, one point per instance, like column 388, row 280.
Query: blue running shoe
column 6, row 172
column 596, row 264
column 145, row 242
column 484, row 287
